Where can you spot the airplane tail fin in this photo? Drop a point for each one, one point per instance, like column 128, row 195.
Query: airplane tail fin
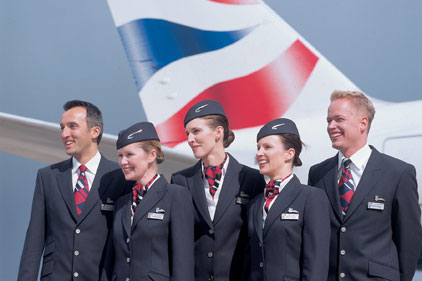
column 238, row 52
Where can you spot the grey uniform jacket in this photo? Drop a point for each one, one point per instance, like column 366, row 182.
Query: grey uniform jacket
column 220, row 244
column 380, row 237
column 158, row 245
column 294, row 244
column 72, row 246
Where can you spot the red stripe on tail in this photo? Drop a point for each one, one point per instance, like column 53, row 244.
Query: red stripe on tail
column 254, row 99
column 237, row 2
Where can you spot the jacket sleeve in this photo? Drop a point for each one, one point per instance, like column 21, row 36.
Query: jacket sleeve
column 182, row 237
column 407, row 232
column 35, row 236
column 316, row 237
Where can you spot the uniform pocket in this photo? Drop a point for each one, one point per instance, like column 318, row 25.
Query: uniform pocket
column 47, row 268
column 158, row 277
column 289, row 278
column 383, row 271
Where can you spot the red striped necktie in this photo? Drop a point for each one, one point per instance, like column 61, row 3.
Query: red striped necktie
column 81, row 190
column 346, row 188
column 272, row 189
column 139, row 191
column 213, row 175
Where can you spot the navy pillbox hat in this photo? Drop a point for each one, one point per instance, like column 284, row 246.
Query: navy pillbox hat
column 277, row 127
column 204, row 108
column 136, row 133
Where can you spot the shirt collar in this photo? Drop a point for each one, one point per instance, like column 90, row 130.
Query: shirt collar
column 359, row 158
column 91, row 165
column 226, row 164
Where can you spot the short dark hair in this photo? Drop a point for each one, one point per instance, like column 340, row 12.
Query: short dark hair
column 220, row 120
column 293, row 141
column 94, row 116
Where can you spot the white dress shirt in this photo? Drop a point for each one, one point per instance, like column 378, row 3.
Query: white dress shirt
column 91, row 170
column 359, row 160
column 212, row 203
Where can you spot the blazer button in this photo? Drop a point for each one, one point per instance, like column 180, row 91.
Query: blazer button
column 127, row 240
column 343, row 229
column 128, row 260
column 259, row 244
column 211, row 278
column 75, row 274
column 77, row 231
column 210, row 254
column 342, row 275
column 211, row 231
column 76, row 253
column 127, row 279
column 342, row 252
column 261, row 264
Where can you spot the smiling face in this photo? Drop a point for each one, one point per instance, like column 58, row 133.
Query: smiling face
column 346, row 126
column 204, row 141
column 136, row 163
column 79, row 140
column 273, row 159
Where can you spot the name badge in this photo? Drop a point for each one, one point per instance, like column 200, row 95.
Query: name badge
column 156, row 216
column 375, row 206
column 107, row 207
column 243, row 198
column 242, row 201
column 289, row 217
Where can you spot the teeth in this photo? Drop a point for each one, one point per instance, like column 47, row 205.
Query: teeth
column 68, row 142
column 335, row 135
column 263, row 162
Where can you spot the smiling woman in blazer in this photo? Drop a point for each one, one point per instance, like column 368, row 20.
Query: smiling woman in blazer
column 221, row 188
column 152, row 236
column 289, row 226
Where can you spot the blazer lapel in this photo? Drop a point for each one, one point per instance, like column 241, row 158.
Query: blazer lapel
column 230, row 189
column 370, row 176
column 126, row 214
column 331, row 187
column 283, row 200
column 157, row 191
column 64, row 182
column 196, row 187
column 257, row 216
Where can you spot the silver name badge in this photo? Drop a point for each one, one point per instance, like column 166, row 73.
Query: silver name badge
column 290, row 217
column 375, row 206
column 156, row 216
column 107, row 207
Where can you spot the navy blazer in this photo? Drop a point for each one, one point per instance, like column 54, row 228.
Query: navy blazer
column 71, row 245
column 294, row 244
column 380, row 237
column 220, row 244
column 158, row 245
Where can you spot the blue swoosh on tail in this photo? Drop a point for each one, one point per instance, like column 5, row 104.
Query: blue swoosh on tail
column 151, row 44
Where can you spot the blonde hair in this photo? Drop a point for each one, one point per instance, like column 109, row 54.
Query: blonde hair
column 150, row 145
column 359, row 100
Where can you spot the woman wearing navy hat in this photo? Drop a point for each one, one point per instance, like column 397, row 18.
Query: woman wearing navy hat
column 221, row 188
column 152, row 236
column 289, row 226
